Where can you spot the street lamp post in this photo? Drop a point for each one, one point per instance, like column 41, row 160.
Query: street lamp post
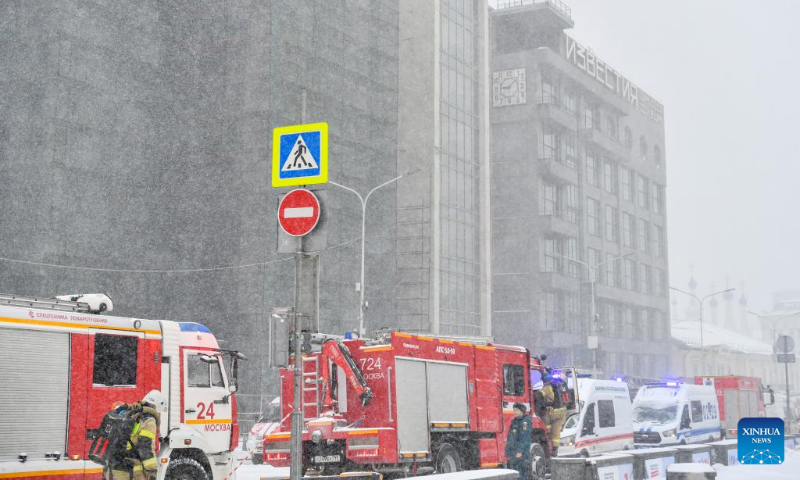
column 364, row 201
column 592, row 276
column 700, row 302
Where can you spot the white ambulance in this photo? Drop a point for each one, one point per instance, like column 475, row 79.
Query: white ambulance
column 673, row 413
column 603, row 422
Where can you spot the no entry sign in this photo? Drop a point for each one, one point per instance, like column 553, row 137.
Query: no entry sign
column 298, row 212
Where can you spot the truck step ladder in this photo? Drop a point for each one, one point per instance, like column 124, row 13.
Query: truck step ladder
column 311, row 385
column 48, row 303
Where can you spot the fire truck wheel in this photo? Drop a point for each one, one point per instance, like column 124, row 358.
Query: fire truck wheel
column 538, row 462
column 257, row 459
column 186, row 469
column 447, row 459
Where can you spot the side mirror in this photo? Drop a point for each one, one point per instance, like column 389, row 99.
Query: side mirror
column 232, row 388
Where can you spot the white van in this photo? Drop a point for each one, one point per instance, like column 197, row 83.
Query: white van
column 674, row 413
column 603, row 422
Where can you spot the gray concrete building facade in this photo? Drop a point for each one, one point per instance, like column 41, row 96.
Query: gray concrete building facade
column 135, row 160
column 443, row 239
column 578, row 181
column 135, row 156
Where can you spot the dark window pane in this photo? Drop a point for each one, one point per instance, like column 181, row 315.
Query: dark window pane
column 513, row 380
column 114, row 360
column 606, row 413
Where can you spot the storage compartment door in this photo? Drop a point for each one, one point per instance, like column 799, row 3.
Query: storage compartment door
column 732, row 414
column 447, row 393
column 34, row 392
column 412, row 408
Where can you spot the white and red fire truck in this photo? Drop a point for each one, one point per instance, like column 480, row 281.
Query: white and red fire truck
column 738, row 397
column 63, row 367
column 409, row 404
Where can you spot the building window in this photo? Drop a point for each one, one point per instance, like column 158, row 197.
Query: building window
column 643, row 147
column 549, row 90
column 573, row 312
column 588, row 116
column 656, row 192
column 627, row 322
column 644, row 278
column 610, row 324
column 643, row 229
column 548, row 197
column 629, row 274
column 593, row 261
column 612, row 277
column 551, row 255
column 593, row 216
column 611, row 223
column 657, row 156
column 591, row 168
column 571, row 208
column 551, row 310
column 570, row 102
column 627, row 190
column 658, row 281
column 612, row 126
column 550, row 144
column 570, row 150
column 641, row 191
column 628, row 137
column 627, row 229
column 571, row 245
column 609, row 176
column 658, row 240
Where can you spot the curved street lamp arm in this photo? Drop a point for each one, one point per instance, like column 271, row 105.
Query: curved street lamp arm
column 349, row 190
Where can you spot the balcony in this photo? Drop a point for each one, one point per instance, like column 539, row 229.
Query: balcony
column 611, row 145
column 559, row 281
column 555, row 224
column 542, row 12
column 550, row 109
column 551, row 166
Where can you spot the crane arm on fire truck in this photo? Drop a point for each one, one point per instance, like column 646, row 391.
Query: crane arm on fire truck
column 339, row 354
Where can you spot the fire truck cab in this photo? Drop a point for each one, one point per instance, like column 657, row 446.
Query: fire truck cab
column 435, row 404
column 64, row 367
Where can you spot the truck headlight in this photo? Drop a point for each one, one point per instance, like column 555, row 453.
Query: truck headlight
column 568, row 441
column 316, row 436
column 669, row 433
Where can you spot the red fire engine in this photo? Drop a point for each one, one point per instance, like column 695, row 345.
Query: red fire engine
column 738, row 397
column 411, row 404
column 64, row 366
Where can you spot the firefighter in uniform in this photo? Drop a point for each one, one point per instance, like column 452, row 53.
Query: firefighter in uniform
column 518, row 442
column 140, row 461
column 556, row 412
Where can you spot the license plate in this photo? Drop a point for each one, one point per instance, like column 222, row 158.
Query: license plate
column 327, row 458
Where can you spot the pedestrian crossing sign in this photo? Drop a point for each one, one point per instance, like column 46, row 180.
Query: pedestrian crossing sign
column 300, row 155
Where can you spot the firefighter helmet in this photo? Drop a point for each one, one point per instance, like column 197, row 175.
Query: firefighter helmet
column 156, row 398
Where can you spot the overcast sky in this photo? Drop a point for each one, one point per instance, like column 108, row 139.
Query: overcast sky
column 727, row 74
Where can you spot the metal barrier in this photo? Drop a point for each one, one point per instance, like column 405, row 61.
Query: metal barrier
column 606, row 466
column 693, row 454
column 652, row 462
column 690, row 471
column 725, row 452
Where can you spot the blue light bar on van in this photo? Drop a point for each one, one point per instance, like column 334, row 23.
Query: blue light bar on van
column 618, row 378
column 193, row 327
column 672, row 384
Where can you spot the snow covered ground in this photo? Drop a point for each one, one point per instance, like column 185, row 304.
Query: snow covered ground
column 790, row 469
column 787, row 471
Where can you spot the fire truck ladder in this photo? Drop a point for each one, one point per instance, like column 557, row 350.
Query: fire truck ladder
column 311, row 384
column 49, row 303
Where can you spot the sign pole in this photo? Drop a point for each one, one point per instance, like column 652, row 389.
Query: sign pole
column 296, row 446
column 788, row 405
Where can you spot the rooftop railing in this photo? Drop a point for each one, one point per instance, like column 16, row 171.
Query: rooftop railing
column 556, row 4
